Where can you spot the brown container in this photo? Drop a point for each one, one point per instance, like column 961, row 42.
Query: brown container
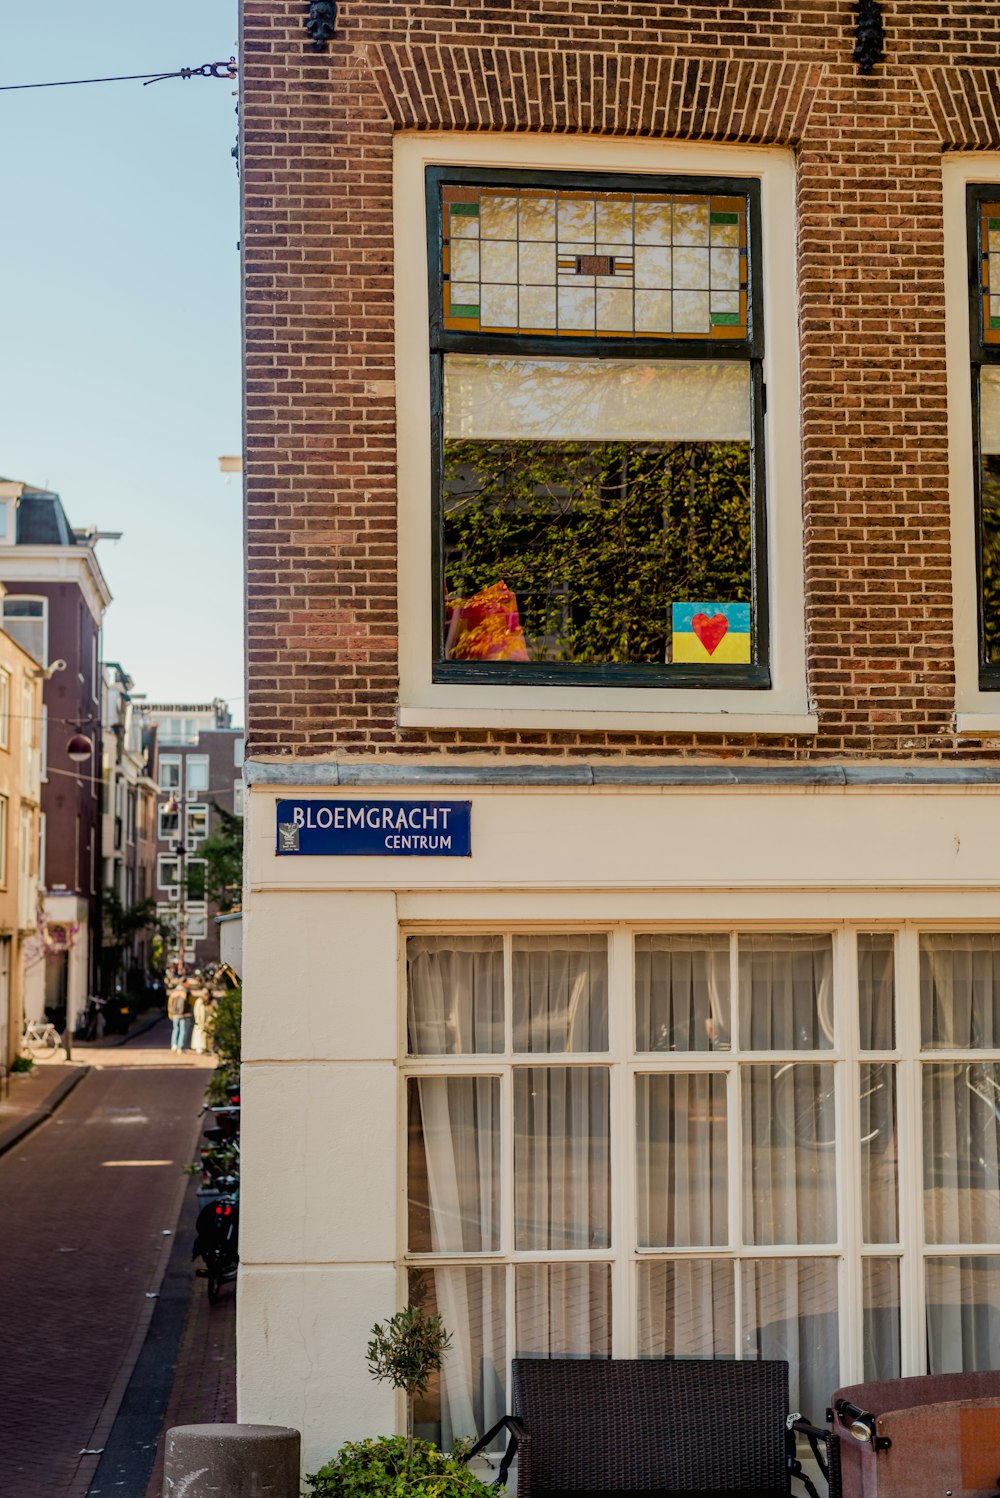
column 932, row 1437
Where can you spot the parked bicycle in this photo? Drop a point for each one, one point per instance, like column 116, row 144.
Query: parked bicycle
column 42, row 1041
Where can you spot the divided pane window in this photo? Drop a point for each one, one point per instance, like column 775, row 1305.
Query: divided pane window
column 983, row 229
column 597, row 348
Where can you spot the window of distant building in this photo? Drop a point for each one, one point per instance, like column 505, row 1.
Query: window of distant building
column 238, row 798
column 983, row 210
column 169, row 824
column 27, row 621
column 197, row 774
column 170, row 772
column 168, row 872
column 4, row 709
column 197, row 825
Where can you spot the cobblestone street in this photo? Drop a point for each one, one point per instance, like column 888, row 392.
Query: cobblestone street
column 91, row 1203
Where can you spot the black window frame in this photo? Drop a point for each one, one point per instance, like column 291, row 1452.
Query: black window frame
column 755, row 676
column 981, row 352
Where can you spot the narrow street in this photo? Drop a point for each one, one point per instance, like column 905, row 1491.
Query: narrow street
column 90, row 1201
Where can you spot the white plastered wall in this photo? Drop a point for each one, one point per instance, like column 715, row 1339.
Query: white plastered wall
column 321, row 1169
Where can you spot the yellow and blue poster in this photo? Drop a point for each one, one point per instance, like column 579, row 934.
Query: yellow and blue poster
column 718, row 633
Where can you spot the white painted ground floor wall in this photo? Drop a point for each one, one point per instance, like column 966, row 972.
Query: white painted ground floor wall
column 323, row 1231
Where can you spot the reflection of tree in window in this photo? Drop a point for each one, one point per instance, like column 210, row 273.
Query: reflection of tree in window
column 991, row 555
column 597, row 540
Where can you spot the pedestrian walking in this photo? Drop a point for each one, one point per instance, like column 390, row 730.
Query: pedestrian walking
column 200, row 1013
column 179, row 1010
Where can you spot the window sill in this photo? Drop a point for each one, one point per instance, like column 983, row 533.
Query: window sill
column 978, row 725
column 717, row 719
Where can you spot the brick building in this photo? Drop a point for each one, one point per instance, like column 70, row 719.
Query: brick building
column 622, row 444
column 54, row 604
column 128, row 831
column 199, row 756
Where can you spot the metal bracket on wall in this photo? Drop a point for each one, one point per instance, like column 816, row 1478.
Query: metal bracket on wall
column 321, row 22
column 869, row 48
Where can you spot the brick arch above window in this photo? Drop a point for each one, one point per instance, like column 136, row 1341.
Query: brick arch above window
column 491, row 88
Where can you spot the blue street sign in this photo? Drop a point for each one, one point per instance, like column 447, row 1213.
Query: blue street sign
column 375, row 828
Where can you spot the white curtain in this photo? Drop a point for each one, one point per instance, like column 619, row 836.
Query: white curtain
column 455, row 1164
column 560, row 993
column 789, row 1154
column 468, row 1397
column 562, row 1160
column 562, row 1310
column 454, row 990
column 963, row 1314
column 786, row 992
column 682, row 1160
column 960, row 990
column 880, row 1293
column 790, row 1312
column 879, row 1157
column 687, row 1309
column 682, row 993
column 876, row 990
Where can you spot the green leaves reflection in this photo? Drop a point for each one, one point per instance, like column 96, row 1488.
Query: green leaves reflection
column 597, row 540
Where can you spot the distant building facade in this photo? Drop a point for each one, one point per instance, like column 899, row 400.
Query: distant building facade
column 21, row 944
column 199, row 760
column 54, row 605
column 128, row 830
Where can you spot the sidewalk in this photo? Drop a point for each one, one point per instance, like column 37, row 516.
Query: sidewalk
column 33, row 1097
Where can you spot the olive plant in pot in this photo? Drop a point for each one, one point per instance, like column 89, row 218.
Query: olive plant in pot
column 405, row 1352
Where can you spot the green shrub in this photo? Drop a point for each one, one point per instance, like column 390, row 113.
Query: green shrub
column 227, row 1024
column 22, row 1063
column 379, row 1468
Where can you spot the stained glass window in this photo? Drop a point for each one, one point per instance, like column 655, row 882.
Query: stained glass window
column 984, row 251
column 989, row 259
column 597, row 264
column 599, row 471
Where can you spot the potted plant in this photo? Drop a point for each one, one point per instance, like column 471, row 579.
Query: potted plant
column 404, row 1352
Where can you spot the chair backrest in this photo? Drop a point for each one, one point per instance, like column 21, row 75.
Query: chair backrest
column 653, row 1423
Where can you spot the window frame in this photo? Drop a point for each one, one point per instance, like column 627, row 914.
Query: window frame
column 783, row 708
column 910, row 1055
column 6, row 682
column 750, row 351
column 981, row 353
column 170, row 761
column 202, row 761
column 40, row 618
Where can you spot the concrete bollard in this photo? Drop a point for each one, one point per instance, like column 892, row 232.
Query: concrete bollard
column 231, row 1461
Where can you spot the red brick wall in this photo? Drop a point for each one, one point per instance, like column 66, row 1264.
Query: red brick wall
column 317, row 243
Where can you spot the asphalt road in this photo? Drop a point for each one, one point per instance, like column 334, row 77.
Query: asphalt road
column 86, row 1202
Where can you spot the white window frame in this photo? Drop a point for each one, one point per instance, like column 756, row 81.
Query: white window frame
column 193, row 840
column 977, row 713
column 43, row 619
column 238, row 798
column 909, row 1058
column 427, row 704
column 167, row 837
column 5, row 688
column 4, row 838
column 197, row 790
column 169, row 885
column 169, row 761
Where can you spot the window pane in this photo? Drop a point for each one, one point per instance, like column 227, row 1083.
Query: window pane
column 880, row 1282
column 786, row 993
column 560, row 993
column 550, row 260
column 961, row 1122
column 687, row 1309
column 454, row 1164
column 468, row 1395
column 963, row 1314
column 879, row 1188
column 682, row 993
column 562, row 1310
column 789, row 1154
column 597, row 511
column 562, row 1169
column 790, row 1312
column 454, row 990
column 960, row 990
column 989, row 476
column 877, row 990
column 682, row 1163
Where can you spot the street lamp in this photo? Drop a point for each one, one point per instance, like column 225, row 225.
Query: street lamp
column 79, row 748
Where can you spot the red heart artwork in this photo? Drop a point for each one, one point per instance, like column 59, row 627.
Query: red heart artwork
column 710, row 631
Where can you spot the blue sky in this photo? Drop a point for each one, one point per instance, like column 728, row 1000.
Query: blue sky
column 119, row 317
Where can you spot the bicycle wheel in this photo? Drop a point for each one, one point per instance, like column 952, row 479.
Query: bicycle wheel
column 44, row 1047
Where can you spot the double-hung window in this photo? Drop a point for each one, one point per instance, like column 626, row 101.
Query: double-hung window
column 983, row 211
column 597, row 345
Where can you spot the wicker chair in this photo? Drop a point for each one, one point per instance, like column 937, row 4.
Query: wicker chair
column 715, row 1429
